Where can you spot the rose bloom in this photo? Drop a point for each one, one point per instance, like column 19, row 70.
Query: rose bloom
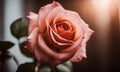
column 56, row 35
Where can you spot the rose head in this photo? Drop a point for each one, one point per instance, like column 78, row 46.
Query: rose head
column 57, row 35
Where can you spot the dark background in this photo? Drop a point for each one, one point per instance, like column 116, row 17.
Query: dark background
column 103, row 55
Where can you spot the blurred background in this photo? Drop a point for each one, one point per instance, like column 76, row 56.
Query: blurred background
column 103, row 16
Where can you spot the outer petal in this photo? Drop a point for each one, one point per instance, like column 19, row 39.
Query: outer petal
column 81, row 53
column 32, row 21
column 43, row 12
column 31, row 43
column 41, row 56
column 56, row 58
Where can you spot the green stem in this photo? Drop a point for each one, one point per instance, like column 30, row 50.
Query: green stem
column 15, row 60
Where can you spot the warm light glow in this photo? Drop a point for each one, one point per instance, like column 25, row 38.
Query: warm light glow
column 101, row 3
column 102, row 7
column 103, row 16
column 102, row 12
column 119, row 14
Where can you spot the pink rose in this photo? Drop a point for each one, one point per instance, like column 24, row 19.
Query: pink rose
column 56, row 35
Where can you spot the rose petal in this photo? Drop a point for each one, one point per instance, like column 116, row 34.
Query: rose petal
column 74, row 18
column 32, row 40
column 50, row 19
column 32, row 21
column 58, row 57
column 68, row 35
column 81, row 53
column 41, row 57
column 56, row 41
column 59, row 40
column 43, row 12
column 64, row 29
column 51, row 35
column 78, row 26
column 45, row 59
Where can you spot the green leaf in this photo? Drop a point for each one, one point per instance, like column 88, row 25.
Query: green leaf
column 65, row 67
column 30, row 67
column 45, row 69
column 24, row 51
column 26, row 67
column 5, row 45
column 19, row 28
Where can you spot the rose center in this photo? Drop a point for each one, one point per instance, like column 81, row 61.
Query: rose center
column 63, row 26
column 64, row 29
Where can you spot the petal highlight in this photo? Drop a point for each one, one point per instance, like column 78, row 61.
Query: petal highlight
column 32, row 21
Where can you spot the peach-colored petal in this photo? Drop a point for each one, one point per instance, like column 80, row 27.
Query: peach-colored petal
column 32, row 21
column 40, row 56
column 65, row 15
column 50, row 32
column 32, row 40
column 53, row 34
column 67, row 34
column 73, row 17
column 56, row 41
column 43, row 12
column 53, row 14
column 45, row 59
column 57, row 56
column 81, row 53
column 59, row 40
column 64, row 29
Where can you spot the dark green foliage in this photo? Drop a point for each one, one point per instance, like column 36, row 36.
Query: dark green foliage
column 5, row 45
column 19, row 28
column 26, row 67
